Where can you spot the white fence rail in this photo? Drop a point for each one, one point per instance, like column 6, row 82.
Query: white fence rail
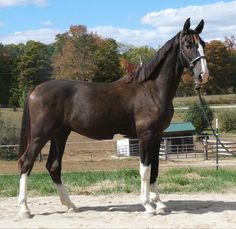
column 171, row 147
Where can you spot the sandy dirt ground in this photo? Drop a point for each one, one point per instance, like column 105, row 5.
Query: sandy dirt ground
column 124, row 211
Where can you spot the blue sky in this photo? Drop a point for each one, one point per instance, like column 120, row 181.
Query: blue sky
column 137, row 22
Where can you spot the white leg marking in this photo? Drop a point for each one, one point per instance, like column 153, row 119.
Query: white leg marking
column 22, row 199
column 154, row 195
column 64, row 197
column 155, row 198
column 145, row 172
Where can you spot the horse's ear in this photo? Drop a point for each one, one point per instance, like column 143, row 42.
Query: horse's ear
column 199, row 27
column 186, row 26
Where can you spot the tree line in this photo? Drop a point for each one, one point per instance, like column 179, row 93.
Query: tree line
column 81, row 55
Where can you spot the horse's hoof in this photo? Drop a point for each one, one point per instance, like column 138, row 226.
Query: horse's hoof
column 149, row 210
column 25, row 214
column 161, row 207
column 150, row 213
column 72, row 210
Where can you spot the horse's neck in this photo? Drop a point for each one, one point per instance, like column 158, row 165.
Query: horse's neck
column 168, row 78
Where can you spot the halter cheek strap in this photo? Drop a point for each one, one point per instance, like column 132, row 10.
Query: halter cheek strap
column 191, row 63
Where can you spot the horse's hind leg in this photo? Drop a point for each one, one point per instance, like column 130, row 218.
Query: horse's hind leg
column 54, row 166
column 26, row 166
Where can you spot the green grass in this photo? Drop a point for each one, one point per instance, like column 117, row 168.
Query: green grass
column 185, row 180
column 198, row 180
column 211, row 99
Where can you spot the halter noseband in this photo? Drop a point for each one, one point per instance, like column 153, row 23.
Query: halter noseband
column 190, row 62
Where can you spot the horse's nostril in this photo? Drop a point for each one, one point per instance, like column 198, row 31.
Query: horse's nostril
column 200, row 77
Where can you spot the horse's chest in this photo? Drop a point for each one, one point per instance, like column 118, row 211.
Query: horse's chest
column 154, row 118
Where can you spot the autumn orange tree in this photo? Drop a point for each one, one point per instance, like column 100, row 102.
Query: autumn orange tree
column 221, row 66
column 82, row 55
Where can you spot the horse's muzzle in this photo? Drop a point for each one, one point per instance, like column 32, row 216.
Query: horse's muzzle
column 201, row 79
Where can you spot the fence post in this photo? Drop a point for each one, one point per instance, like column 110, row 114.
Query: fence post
column 166, row 148
column 217, row 146
column 8, row 153
column 205, row 146
column 40, row 156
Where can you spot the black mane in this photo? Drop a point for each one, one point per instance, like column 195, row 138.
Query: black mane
column 143, row 73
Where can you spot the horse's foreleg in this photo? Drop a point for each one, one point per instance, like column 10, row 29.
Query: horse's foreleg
column 154, row 195
column 144, row 195
column 146, row 145
column 155, row 198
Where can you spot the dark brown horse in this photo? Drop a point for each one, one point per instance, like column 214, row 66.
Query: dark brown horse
column 138, row 105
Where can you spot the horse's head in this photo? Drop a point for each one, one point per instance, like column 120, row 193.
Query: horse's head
column 192, row 54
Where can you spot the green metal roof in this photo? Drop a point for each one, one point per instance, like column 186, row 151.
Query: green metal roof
column 180, row 126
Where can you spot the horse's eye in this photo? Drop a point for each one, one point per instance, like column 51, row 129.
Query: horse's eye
column 188, row 45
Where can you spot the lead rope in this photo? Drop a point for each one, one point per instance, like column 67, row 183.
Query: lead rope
column 208, row 122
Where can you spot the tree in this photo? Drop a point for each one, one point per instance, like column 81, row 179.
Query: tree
column 218, row 59
column 107, row 61
column 15, row 51
column 230, row 42
column 81, row 55
column 34, row 67
column 197, row 117
column 6, row 74
column 186, row 87
column 74, row 56
column 132, row 56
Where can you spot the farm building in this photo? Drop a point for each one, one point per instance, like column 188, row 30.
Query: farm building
column 179, row 137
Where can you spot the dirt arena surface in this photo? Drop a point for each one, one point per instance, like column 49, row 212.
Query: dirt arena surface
column 124, row 211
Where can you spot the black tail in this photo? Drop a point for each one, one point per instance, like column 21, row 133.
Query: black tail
column 25, row 132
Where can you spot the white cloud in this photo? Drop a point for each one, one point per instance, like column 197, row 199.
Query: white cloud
column 219, row 20
column 128, row 36
column 8, row 3
column 44, row 35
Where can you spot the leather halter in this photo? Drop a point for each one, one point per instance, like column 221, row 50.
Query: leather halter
column 191, row 63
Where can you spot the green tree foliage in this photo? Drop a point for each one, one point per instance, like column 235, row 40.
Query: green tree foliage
column 33, row 67
column 107, row 59
column 132, row 56
column 15, row 51
column 196, row 115
column 6, row 74
column 227, row 120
